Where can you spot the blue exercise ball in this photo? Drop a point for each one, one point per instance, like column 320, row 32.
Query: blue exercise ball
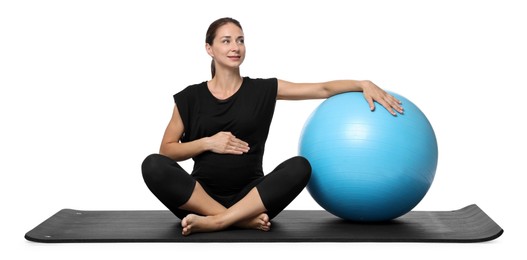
column 368, row 166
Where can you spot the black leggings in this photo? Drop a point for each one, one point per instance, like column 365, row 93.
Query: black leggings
column 173, row 186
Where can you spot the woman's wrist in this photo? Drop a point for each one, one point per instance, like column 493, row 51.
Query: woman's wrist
column 365, row 84
column 205, row 144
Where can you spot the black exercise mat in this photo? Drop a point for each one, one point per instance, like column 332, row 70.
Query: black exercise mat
column 469, row 224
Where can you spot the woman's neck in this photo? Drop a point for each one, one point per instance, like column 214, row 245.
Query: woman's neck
column 224, row 85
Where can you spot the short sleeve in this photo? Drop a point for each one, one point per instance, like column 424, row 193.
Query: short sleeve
column 183, row 103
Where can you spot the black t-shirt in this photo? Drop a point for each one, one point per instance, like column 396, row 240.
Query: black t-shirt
column 247, row 114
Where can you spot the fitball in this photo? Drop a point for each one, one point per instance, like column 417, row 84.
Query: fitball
column 368, row 166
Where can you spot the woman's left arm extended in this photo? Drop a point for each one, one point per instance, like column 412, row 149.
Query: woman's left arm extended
column 372, row 93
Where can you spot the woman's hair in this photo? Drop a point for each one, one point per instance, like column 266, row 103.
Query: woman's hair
column 211, row 34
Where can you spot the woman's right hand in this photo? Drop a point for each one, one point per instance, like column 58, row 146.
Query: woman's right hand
column 227, row 143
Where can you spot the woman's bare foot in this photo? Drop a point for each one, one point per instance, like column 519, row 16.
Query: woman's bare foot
column 260, row 222
column 194, row 224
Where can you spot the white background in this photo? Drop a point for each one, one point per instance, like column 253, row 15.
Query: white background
column 86, row 92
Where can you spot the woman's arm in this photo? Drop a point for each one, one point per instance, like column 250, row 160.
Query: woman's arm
column 372, row 93
column 222, row 142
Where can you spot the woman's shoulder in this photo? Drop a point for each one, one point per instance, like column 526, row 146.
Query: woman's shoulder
column 191, row 89
column 190, row 94
column 261, row 81
column 262, row 86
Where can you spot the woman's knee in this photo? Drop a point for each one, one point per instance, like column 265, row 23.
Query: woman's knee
column 294, row 172
column 151, row 167
column 300, row 167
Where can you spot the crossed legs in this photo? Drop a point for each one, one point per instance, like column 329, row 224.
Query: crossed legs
column 199, row 212
column 249, row 212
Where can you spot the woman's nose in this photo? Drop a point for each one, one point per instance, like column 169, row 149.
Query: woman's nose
column 235, row 46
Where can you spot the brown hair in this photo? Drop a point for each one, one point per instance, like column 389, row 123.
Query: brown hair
column 211, row 34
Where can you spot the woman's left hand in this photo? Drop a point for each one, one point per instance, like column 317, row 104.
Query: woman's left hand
column 372, row 93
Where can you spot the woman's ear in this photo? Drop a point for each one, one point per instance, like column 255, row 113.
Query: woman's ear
column 208, row 48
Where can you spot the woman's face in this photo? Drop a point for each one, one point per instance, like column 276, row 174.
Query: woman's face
column 228, row 48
